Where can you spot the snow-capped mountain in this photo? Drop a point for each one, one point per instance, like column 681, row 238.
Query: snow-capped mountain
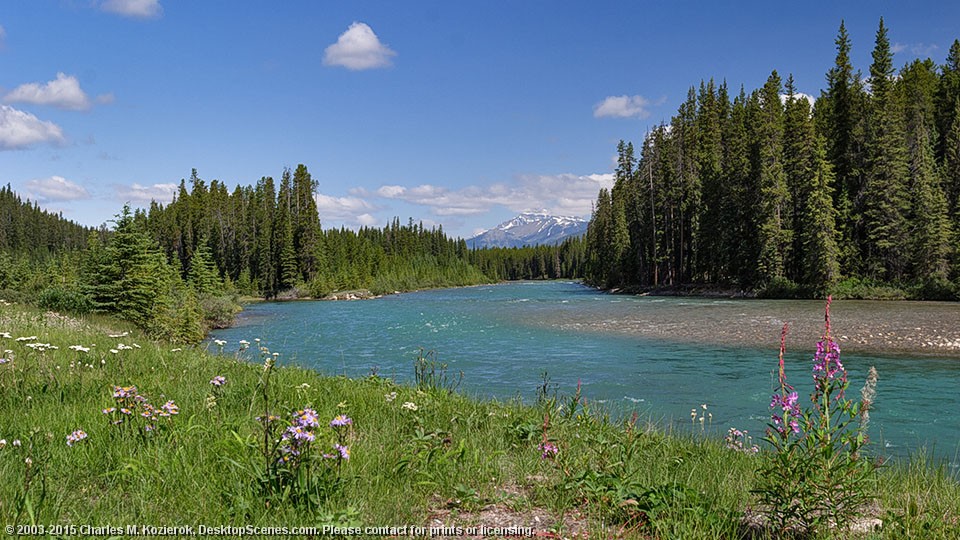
column 530, row 229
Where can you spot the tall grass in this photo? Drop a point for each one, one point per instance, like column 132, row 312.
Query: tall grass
column 417, row 456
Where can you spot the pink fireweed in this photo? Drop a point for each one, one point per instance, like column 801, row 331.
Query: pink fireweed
column 548, row 450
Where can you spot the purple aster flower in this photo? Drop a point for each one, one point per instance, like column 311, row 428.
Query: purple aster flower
column 341, row 420
column 218, row 381
column 76, row 436
column 343, row 451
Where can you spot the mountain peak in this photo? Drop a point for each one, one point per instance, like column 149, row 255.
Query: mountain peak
column 530, row 228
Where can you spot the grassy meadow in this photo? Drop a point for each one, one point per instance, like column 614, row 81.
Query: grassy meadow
column 101, row 427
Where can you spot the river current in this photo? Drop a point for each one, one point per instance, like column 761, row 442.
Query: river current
column 658, row 356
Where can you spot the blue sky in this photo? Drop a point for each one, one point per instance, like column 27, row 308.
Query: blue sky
column 455, row 113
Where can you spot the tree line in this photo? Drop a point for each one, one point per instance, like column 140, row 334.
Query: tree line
column 761, row 191
column 179, row 269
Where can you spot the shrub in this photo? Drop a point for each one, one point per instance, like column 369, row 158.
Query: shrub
column 56, row 299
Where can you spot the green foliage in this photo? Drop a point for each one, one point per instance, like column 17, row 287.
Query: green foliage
column 70, row 301
column 413, row 454
column 866, row 289
column 817, row 477
column 744, row 192
column 431, row 375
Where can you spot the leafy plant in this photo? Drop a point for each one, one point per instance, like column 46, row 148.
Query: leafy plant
column 816, row 477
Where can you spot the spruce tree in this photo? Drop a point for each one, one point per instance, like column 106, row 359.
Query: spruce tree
column 885, row 200
column 774, row 228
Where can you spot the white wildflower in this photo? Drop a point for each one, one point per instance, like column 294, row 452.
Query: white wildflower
column 410, row 406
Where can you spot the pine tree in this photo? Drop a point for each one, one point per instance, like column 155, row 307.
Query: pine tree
column 841, row 113
column 886, row 203
column 775, row 235
column 817, row 228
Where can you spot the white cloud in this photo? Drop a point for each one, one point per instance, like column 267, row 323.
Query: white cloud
column 799, row 95
column 64, row 92
column 622, row 107
column 358, row 48
column 56, row 188
column 140, row 9
column 137, row 194
column 20, row 129
column 3, row 36
column 349, row 210
column 916, row 49
column 563, row 194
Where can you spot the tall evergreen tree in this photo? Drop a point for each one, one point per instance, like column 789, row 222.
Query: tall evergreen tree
column 885, row 199
column 774, row 227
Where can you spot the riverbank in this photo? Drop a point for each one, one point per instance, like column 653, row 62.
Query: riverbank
column 928, row 328
column 408, row 456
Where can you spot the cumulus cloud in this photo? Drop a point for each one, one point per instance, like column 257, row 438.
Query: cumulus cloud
column 562, row 194
column 138, row 194
column 56, row 188
column 139, row 9
column 622, row 107
column 349, row 210
column 64, row 92
column 20, row 129
column 357, row 49
column 799, row 95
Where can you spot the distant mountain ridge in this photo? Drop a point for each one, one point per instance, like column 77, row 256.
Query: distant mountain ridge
column 530, row 229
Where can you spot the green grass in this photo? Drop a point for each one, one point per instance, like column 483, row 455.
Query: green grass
column 462, row 461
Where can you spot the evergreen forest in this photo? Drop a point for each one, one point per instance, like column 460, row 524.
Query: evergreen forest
column 179, row 269
column 857, row 193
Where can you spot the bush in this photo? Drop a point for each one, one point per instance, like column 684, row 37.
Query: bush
column 934, row 289
column 218, row 311
column 781, row 287
column 56, row 299
column 866, row 289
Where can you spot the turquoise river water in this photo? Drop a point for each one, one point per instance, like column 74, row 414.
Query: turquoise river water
column 658, row 356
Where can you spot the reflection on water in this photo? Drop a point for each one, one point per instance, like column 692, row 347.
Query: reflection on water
column 658, row 356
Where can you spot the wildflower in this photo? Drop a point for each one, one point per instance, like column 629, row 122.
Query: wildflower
column 80, row 348
column 244, row 344
column 114, row 351
column 340, row 421
column 16, row 442
column 3, row 442
column 178, row 349
column 307, row 418
column 171, row 408
column 26, row 338
column 120, row 335
column 343, row 451
column 218, row 381
column 76, row 436
column 4, row 360
column 135, row 346
column 548, row 450
column 410, row 406
column 122, row 392
column 391, row 396
column 5, row 335
column 123, row 347
column 109, row 410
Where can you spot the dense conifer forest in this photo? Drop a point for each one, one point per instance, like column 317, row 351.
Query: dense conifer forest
column 177, row 270
column 857, row 194
column 760, row 191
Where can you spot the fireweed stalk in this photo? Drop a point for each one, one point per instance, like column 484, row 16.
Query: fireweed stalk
column 815, row 477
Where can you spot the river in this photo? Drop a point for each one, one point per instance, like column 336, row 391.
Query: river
column 659, row 356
